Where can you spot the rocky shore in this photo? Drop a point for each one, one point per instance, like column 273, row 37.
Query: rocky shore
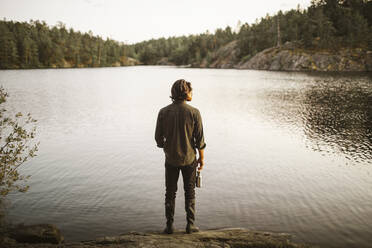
column 289, row 57
column 48, row 236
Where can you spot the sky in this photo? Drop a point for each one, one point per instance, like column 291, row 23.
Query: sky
column 131, row 21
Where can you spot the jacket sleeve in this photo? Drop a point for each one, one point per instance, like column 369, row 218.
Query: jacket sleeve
column 198, row 132
column 159, row 134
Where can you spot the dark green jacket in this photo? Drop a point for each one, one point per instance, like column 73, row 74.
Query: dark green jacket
column 179, row 131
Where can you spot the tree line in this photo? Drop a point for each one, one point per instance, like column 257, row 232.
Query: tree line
column 36, row 45
column 325, row 24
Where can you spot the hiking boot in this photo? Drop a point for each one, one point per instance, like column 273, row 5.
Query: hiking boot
column 190, row 216
column 169, row 229
column 191, row 228
column 169, row 213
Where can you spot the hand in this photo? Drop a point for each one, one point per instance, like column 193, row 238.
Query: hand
column 200, row 163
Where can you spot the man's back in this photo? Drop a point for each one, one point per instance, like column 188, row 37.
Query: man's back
column 179, row 131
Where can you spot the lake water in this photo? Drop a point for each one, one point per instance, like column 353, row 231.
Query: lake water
column 286, row 152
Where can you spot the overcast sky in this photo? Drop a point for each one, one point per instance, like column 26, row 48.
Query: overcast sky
column 136, row 20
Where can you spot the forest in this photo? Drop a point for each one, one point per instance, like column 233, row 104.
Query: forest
column 36, row 45
column 324, row 25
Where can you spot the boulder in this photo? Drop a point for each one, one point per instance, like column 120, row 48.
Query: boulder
column 41, row 233
column 164, row 61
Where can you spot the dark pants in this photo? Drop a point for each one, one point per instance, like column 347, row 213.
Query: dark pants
column 171, row 178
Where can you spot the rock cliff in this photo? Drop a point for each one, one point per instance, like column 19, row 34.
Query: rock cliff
column 291, row 58
column 288, row 58
column 226, row 56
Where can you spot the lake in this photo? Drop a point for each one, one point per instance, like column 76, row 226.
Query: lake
column 286, row 152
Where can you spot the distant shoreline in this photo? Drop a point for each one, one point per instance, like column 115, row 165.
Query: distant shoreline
column 287, row 58
column 186, row 67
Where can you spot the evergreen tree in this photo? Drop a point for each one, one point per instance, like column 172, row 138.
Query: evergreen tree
column 8, row 48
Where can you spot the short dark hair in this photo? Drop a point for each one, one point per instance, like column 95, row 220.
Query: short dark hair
column 179, row 90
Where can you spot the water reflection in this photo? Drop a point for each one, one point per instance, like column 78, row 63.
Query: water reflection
column 334, row 113
column 338, row 113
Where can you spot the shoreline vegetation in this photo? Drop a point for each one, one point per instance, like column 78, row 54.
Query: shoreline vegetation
column 48, row 236
column 330, row 35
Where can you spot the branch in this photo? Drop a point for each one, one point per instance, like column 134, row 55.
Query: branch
column 32, row 150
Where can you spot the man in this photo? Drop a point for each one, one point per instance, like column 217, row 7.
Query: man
column 179, row 131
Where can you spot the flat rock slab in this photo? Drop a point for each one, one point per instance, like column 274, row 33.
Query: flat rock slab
column 227, row 238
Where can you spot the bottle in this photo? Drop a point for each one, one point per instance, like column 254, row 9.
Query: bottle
column 198, row 179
